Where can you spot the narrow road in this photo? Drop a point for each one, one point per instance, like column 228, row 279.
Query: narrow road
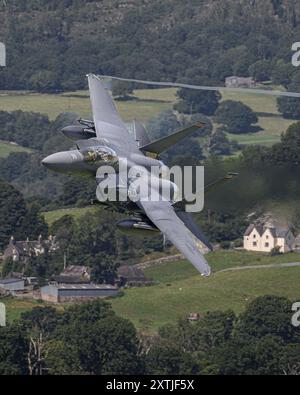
column 270, row 266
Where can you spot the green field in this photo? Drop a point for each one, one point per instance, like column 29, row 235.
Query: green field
column 269, row 118
column 147, row 103
column 7, row 148
column 15, row 307
column 182, row 291
column 52, row 216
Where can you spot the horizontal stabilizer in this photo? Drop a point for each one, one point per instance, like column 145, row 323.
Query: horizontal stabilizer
column 161, row 145
column 207, row 189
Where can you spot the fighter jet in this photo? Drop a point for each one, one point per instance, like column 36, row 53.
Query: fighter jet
column 103, row 142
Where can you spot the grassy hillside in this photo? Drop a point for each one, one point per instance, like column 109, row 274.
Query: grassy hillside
column 52, row 216
column 269, row 119
column 180, row 292
column 7, row 148
column 146, row 103
column 14, row 307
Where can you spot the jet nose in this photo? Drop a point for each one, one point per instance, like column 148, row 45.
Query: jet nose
column 61, row 161
column 52, row 161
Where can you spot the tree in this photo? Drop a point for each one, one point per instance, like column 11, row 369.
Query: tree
column 267, row 316
column 219, row 144
column 102, row 342
column 13, row 351
column 45, row 81
column 12, row 213
column 164, row 359
column 196, row 101
column 289, row 107
column 236, row 117
column 122, row 89
column 34, row 224
column 261, row 70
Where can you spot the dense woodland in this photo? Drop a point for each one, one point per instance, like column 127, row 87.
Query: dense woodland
column 55, row 43
column 91, row 339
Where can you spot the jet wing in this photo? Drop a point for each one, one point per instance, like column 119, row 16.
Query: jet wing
column 164, row 217
column 163, row 144
column 108, row 123
column 103, row 106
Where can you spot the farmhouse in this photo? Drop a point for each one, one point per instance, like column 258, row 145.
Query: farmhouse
column 20, row 251
column 132, row 276
column 239, row 82
column 266, row 237
column 60, row 293
column 74, row 274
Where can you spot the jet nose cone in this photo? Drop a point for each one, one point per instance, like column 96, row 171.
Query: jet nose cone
column 61, row 161
column 51, row 161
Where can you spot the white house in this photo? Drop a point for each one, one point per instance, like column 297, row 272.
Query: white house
column 264, row 238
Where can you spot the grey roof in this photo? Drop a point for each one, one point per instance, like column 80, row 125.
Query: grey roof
column 282, row 232
column 76, row 271
column 275, row 231
column 84, row 286
column 11, row 280
column 70, row 279
column 131, row 272
column 249, row 230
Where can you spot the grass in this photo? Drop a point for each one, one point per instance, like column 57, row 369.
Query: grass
column 218, row 260
column 181, row 290
column 180, row 293
column 15, row 307
column 76, row 213
column 147, row 104
column 7, row 148
column 269, row 119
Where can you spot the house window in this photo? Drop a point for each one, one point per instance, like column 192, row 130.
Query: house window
column 266, row 244
column 267, row 237
column 254, row 236
column 254, row 244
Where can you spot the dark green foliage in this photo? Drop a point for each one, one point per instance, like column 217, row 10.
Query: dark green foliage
column 268, row 315
column 283, row 154
column 33, row 223
column 164, row 359
column 195, row 102
column 12, row 213
column 85, row 339
column 236, row 117
column 91, row 339
column 289, row 107
column 77, row 192
column 25, row 128
column 261, row 70
column 219, row 144
column 122, row 90
column 54, row 44
column 13, row 351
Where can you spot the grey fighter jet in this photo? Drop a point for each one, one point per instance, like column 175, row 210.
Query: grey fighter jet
column 104, row 141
